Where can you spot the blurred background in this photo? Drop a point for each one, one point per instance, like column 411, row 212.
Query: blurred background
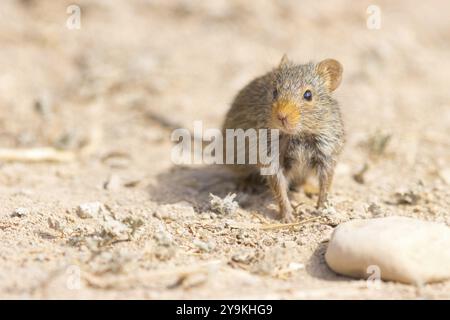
column 132, row 70
column 187, row 59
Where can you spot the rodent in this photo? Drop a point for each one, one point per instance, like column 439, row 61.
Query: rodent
column 297, row 100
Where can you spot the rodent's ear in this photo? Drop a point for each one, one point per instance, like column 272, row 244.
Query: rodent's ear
column 331, row 71
column 284, row 61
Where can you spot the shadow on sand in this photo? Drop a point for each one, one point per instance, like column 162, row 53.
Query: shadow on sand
column 194, row 184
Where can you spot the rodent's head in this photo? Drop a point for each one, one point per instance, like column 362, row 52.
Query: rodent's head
column 301, row 93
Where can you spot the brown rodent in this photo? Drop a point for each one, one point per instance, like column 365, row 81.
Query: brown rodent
column 296, row 99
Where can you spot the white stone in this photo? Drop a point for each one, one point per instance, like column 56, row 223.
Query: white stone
column 20, row 212
column 115, row 228
column 403, row 249
column 89, row 210
column 445, row 175
column 113, row 183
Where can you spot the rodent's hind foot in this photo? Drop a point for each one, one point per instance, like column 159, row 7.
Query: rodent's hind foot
column 325, row 208
column 322, row 201
column 287, row 216
column 288, row 219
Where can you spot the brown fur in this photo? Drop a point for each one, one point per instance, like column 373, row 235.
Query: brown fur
column 311, row 132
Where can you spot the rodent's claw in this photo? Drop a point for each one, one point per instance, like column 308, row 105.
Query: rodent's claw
column 288, row 217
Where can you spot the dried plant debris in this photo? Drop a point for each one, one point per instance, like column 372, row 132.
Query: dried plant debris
column 377, row 143
column 190, row 280
column 359, row 176
column 117, row 159
column 163, row 248
column 407, row 196
column 108, row 230
column 133, row 223
column 375, row 210
column 333, row 217
column 44, row 154
column 223, row 206
column 270, row 226
column 55, row 225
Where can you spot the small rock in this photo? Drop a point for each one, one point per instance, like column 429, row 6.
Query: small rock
column 163, row 238
column 295, row 266
column 203, row 246
column 244, row 256
column 445, row 175
column 89, row 210
column 20, row 212
column 333, row 217
column 402, row 249
column 113, row 183
column 115, row 229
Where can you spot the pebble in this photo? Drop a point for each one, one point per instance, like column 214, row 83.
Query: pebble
column 89, row 210
column 445, row 175
column 20, row 212
column 403, row 249
column 203, row 246
column 113, row 183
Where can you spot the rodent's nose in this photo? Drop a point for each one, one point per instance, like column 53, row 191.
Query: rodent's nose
column 283, row 118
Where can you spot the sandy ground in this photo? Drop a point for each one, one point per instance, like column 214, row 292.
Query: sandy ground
column 135, row 63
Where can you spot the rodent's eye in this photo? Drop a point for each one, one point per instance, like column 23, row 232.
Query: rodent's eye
column 307, row 95
column 275, row 93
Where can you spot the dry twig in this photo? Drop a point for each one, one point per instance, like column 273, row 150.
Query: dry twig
column 286, row 225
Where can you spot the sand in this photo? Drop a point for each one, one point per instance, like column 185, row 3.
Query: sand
column 115, row 87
